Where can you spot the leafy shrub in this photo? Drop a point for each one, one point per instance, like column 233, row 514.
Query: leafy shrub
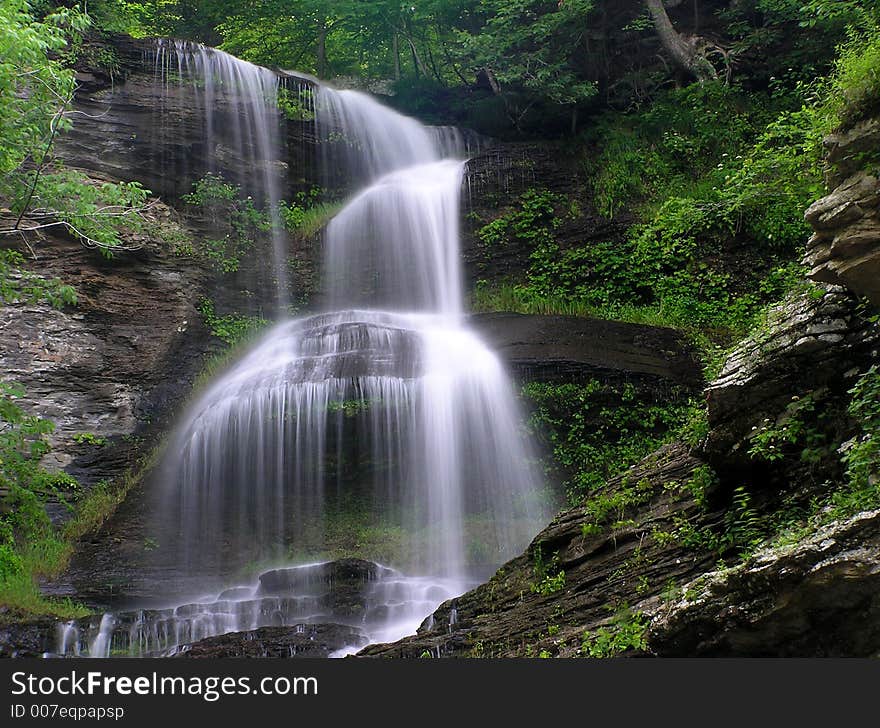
column 855, row 87
column 596, row 431
column 861, row 455
column 531, row 222
column 306, row 214
column 222, row 206
column 19, row 284
column 626, row 632
column 231, row 328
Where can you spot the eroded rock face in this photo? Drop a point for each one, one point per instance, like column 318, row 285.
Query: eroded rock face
column 813, row 340
column 571, row 347
column 817, row 598
column 518, row 613
column 115, row 366
column 496, row 177
column 26, row 640
column 140, row 125
column 845, row 247
column 656, row 542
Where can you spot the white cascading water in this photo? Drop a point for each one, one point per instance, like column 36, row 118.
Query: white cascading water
column 387, row 397
column 238, row 101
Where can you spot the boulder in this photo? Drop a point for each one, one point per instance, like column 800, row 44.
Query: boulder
column 816, row 598
column 341, row 585
column 810, row 341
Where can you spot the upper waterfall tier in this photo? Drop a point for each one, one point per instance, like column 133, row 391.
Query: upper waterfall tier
column 396, row 244
column 239, row 108
column 369, row 140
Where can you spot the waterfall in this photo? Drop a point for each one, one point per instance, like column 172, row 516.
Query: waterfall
column 386, row 400
column 241, row 132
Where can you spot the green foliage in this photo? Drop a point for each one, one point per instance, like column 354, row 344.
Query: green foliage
column 293, row 107
column 221, row 205
column 35, row 85
column 98, row 213
column 696, row 427
column 306, row 214
column 93, row 510
column 88, row 438
column 550, row 584
column 534, row 60
column 530, row 224
column 233, row 328
column 704, row 166
column 595, row 431
column 549, row 578
column 24, row 483
column 797, row 426
column 29, row 545
column 678, row 138
column 606, row 507
column 531, row 44
column 855, row 85
column 695, row 198
column 626, row 632
column 37, row 89
column 19, row 284
column 861, row 454
column 741, row 531
column 701, row 483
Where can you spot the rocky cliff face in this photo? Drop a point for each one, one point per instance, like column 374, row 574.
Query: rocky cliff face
column 571, row 348
column 113, row 369
column 633, row 570
column 817, row 341
column 132, row 122
column 845, row 248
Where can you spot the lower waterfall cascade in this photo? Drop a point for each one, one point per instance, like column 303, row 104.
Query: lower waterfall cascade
column 386, row 398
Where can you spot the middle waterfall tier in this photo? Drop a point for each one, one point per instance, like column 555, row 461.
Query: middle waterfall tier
column 408, row 416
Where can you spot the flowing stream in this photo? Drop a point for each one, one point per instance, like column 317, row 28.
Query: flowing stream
column 384, row 407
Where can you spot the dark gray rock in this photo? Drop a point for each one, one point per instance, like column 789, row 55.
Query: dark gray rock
column 301, row 640
column 817, row 598
column 845, row 246
column 27, row 639
column 341, row 584
column 571, row 347
column 811, row 340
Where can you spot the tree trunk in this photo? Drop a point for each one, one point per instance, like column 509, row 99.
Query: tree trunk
column 395, row 49
column 321, row 51
column 685, row 50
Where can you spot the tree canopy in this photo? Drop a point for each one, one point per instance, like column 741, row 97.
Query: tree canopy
column 531, row 54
